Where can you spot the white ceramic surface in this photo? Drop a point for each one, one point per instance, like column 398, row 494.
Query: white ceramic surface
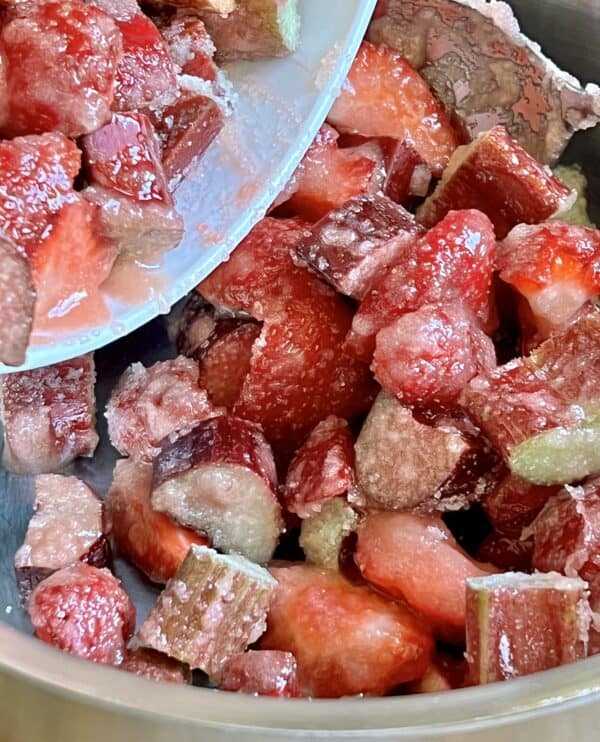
column 280, row 105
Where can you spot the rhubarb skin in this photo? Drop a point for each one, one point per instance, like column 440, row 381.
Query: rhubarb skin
column 518, row 624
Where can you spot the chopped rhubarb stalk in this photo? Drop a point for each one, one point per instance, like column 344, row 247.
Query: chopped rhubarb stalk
column 36, row 180
column 555, row 266
column 149, row 539
column 518, row 624
column 155, row 666
column 186, row 128
column 353, row 245
column 407, row 174
column 195, row 325
column 143, row 229
column 446, row 672
column 514, row 503
column 504, row 78
column 346, row 639
column 322, row 536
column 149, row 405
column 17, row 303
column 190, row 45
column 566, row 536
column 220, row 480
column 506, row 551
column 49, row 416
column 384, row 97
column 329, row 176
column 146, row 75
column 61, row 64
column 83, row 610
column 401, row 462
column 429, row 356
column 497, row 176
column 573, row 177
column 416, row 558
column 452, row 262
column 211, row 610
column 72, row 261
column 255, row 29
column 125, row 155
column 262, row 673
column 321, row 468
column 67, row 526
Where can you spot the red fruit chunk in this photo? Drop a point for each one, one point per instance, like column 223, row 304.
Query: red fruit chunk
column 452, row 262
column 555, row 266
column 36, row 180
column 328, row 176
column 125, row 155
column 346, row 639
column 149, row 539
column 384, row 97
column 407, row 174
column 566, row 536
column 72, row 262
column 190, row 46
column 83, row 610
column 429, row 356
column 186, row 128
column 514, row 503
column 149, row 405
column 154, row 666
column 262, row 673
column 497, row 176
column 17, row 302
column 507, row 552
column 120, row 10
column 416, row 558
column 519, row 624
column 353, row 245
column 321, row 468
column 146, row 74
column 61, row 63
column 49, row 416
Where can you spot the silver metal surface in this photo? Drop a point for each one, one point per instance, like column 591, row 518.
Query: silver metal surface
column 46, row 695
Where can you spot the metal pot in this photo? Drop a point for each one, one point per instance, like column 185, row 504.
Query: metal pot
column 46, row 695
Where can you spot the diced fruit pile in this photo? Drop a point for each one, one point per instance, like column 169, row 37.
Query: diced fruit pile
column 397, row 374
column 103, row 110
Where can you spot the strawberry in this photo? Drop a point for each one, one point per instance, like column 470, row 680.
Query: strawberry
column 346, row 639
column 514, row 503
column 149, row 539
column 429, row 356
column 555, row 266
column 507, row 552
column 190, row 45
column 328, row 176
column 384, row 97
column 452, row 262
column 416, row 558
column 497, row 176
column 125, row 155
column 145, row 75
column 263, row 673
column 61, row 66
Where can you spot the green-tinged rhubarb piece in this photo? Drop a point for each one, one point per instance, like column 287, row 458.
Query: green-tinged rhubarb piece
column 573, row 176
column 212, row 609
column 518, row 624
column 255, row 29
column 322, row 535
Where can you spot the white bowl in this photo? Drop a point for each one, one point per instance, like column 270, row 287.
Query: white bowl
column 280, row 105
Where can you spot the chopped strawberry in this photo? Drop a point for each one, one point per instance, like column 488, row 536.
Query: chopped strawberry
column 497, row 176
column 353, row 245
column 416, row 558
column 328, row 176
column 384, row 97
column 555, row 266
column 61, row 64
column 429, row 356
column 149, row 539
column 85, row 611
column 146, row 74
column 190, row 45
column 263, row 673
column 507, row 552
column 452, row 262
column 71, row 262
column 36, row 180
column 346, row 639
column 125, row 155
column 514, row 503
column 321, row 469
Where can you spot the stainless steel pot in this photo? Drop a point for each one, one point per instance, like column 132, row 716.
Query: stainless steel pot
column 49, row 696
